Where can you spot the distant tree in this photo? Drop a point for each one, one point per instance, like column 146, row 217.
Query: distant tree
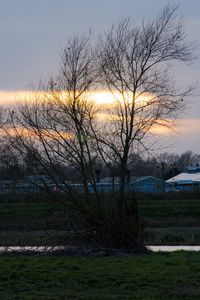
column 55, row 130
column 187, row 159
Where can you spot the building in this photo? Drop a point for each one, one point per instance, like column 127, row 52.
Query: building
column 38, row 183
column 150, row 184
column 188, row 180
column 145, row 184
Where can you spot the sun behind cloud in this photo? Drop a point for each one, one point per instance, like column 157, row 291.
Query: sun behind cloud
column 100, row 97
column 107, row 97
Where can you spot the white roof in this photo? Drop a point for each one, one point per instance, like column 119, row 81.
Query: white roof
column 185, row 177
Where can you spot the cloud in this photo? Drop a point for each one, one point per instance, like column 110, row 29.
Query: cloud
column 189, row 126
column 186, row 136
column 8, row 97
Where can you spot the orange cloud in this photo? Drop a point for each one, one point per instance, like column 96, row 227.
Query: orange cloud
column 9, row 97
column 189, row 126
column 184, row 126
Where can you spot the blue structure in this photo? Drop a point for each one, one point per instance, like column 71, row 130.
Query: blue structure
column 149, row 184
column 35, row 184
column 146, row 184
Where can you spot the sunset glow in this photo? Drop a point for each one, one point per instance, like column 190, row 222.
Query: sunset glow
column 106, row 97
column 99, row 97
column 11, row 97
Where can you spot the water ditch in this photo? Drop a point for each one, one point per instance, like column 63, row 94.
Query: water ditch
column 60, row 248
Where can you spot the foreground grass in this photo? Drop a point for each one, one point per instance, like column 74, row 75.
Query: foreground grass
column 155, row 276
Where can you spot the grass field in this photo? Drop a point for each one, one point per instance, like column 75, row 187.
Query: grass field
column 162, row 213
column 171, row 222
column 42, row 215
column 31, row 216
column 154, row 276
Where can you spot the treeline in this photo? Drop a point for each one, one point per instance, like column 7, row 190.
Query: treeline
column 12, row 168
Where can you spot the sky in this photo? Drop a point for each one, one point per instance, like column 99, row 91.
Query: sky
column 34, row 32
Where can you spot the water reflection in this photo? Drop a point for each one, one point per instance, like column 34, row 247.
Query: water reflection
column 46, row 249
column 173, row 248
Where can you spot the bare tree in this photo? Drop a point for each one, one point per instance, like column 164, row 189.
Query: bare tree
column 61, row 126
column 135, row 68
column 54, row 129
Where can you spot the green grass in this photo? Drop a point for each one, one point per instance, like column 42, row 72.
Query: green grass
column 155, row 276
column 171, row 222
column 153, row 236
column 165, row 213
column 31, row 216
column 172, row 236
column 34, row 238
column 44, row 215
